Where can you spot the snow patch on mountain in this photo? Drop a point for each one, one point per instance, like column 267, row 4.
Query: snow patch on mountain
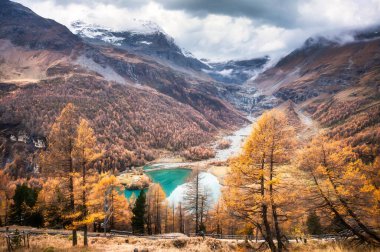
column 145, row 42
column 108, row 35
column 93, row 31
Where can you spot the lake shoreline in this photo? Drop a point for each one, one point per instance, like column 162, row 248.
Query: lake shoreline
column 216, row 167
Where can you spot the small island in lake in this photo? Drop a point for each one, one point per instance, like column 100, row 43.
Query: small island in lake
column 135, row 179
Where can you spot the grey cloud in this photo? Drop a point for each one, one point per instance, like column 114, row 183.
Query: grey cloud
column 120, row 3
column 281, row 13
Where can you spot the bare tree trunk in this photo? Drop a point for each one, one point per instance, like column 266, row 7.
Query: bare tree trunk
column 166, row 219
column 85, row 239
column 197, row 204
column 149, row 219
column 181, row 222
column 72, row 207
column 6, row 210
column 71, row 189
column 264, row 214
column 173, row 220
column 273, row 205
column 158, row 214
column 202, row 205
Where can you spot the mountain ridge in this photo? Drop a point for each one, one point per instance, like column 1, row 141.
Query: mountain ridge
column 338, row 84
column 129, row 100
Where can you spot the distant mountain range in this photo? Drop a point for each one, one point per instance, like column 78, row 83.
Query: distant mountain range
column 147, row 38
column 236, row 71
column 144, row 94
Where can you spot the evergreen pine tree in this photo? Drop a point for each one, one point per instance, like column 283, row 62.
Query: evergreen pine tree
column 313, row 224
column 21, row 211
column 138, row 214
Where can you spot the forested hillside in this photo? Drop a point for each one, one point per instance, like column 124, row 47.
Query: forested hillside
column 136, row 105
column 336, row 83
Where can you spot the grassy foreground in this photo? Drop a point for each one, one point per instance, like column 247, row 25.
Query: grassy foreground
column 50, row 243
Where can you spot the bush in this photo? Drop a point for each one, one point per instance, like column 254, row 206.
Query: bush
column 198, row 153
column 179, row 243
column 313, row 224
column 224, row 144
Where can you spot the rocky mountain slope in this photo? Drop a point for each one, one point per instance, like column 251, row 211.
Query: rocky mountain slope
column 136, row 104
column 144, row 38
column 337, row 83
column 236, row 71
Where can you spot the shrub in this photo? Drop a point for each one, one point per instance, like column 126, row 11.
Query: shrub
column 198, row 153
column 224, row 144
column 179, row 243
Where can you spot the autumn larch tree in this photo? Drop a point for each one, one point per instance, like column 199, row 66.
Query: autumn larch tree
column 155, row 198
column 7, row 190
column 53, row 203
column 85, row 152
column 58, row 159
column 345, row 184
column 250, row 191
column 105, row 185
column 196, row 200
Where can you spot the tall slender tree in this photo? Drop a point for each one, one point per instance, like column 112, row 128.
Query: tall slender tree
column 85, row 152
column 155, row 207
column 250, row 190
column 7, row 189
column 192, row 197
column 58, row 159
column 138, row 211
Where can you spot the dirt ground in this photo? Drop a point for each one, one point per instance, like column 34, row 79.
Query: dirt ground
column 50, row 243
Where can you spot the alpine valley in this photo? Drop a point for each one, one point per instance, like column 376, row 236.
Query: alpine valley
column 157, row 115
column 143, row 94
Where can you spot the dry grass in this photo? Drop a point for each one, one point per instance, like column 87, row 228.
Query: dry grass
column 49, row 243
column 323, row 246
column 63, row 243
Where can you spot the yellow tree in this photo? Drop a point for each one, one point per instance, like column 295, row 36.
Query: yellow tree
column 345, row 183
column 251, row 183
column 219, row 218
column 57, row 160
column 85, row 152
column 52, row 202
column 155, row 198
column 7, row 189
column 106, row 189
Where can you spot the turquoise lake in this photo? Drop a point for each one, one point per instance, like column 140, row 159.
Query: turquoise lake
column 174, row 183
column 169, row 179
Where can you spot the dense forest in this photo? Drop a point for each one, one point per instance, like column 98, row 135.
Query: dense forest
column 279, row 187
column 132, row 125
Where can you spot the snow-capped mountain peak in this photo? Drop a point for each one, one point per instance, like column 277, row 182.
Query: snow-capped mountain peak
column 92, row 31
column 108, row 35
column 139, row 36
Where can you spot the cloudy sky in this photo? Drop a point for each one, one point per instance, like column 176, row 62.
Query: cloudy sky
column 222, row 29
